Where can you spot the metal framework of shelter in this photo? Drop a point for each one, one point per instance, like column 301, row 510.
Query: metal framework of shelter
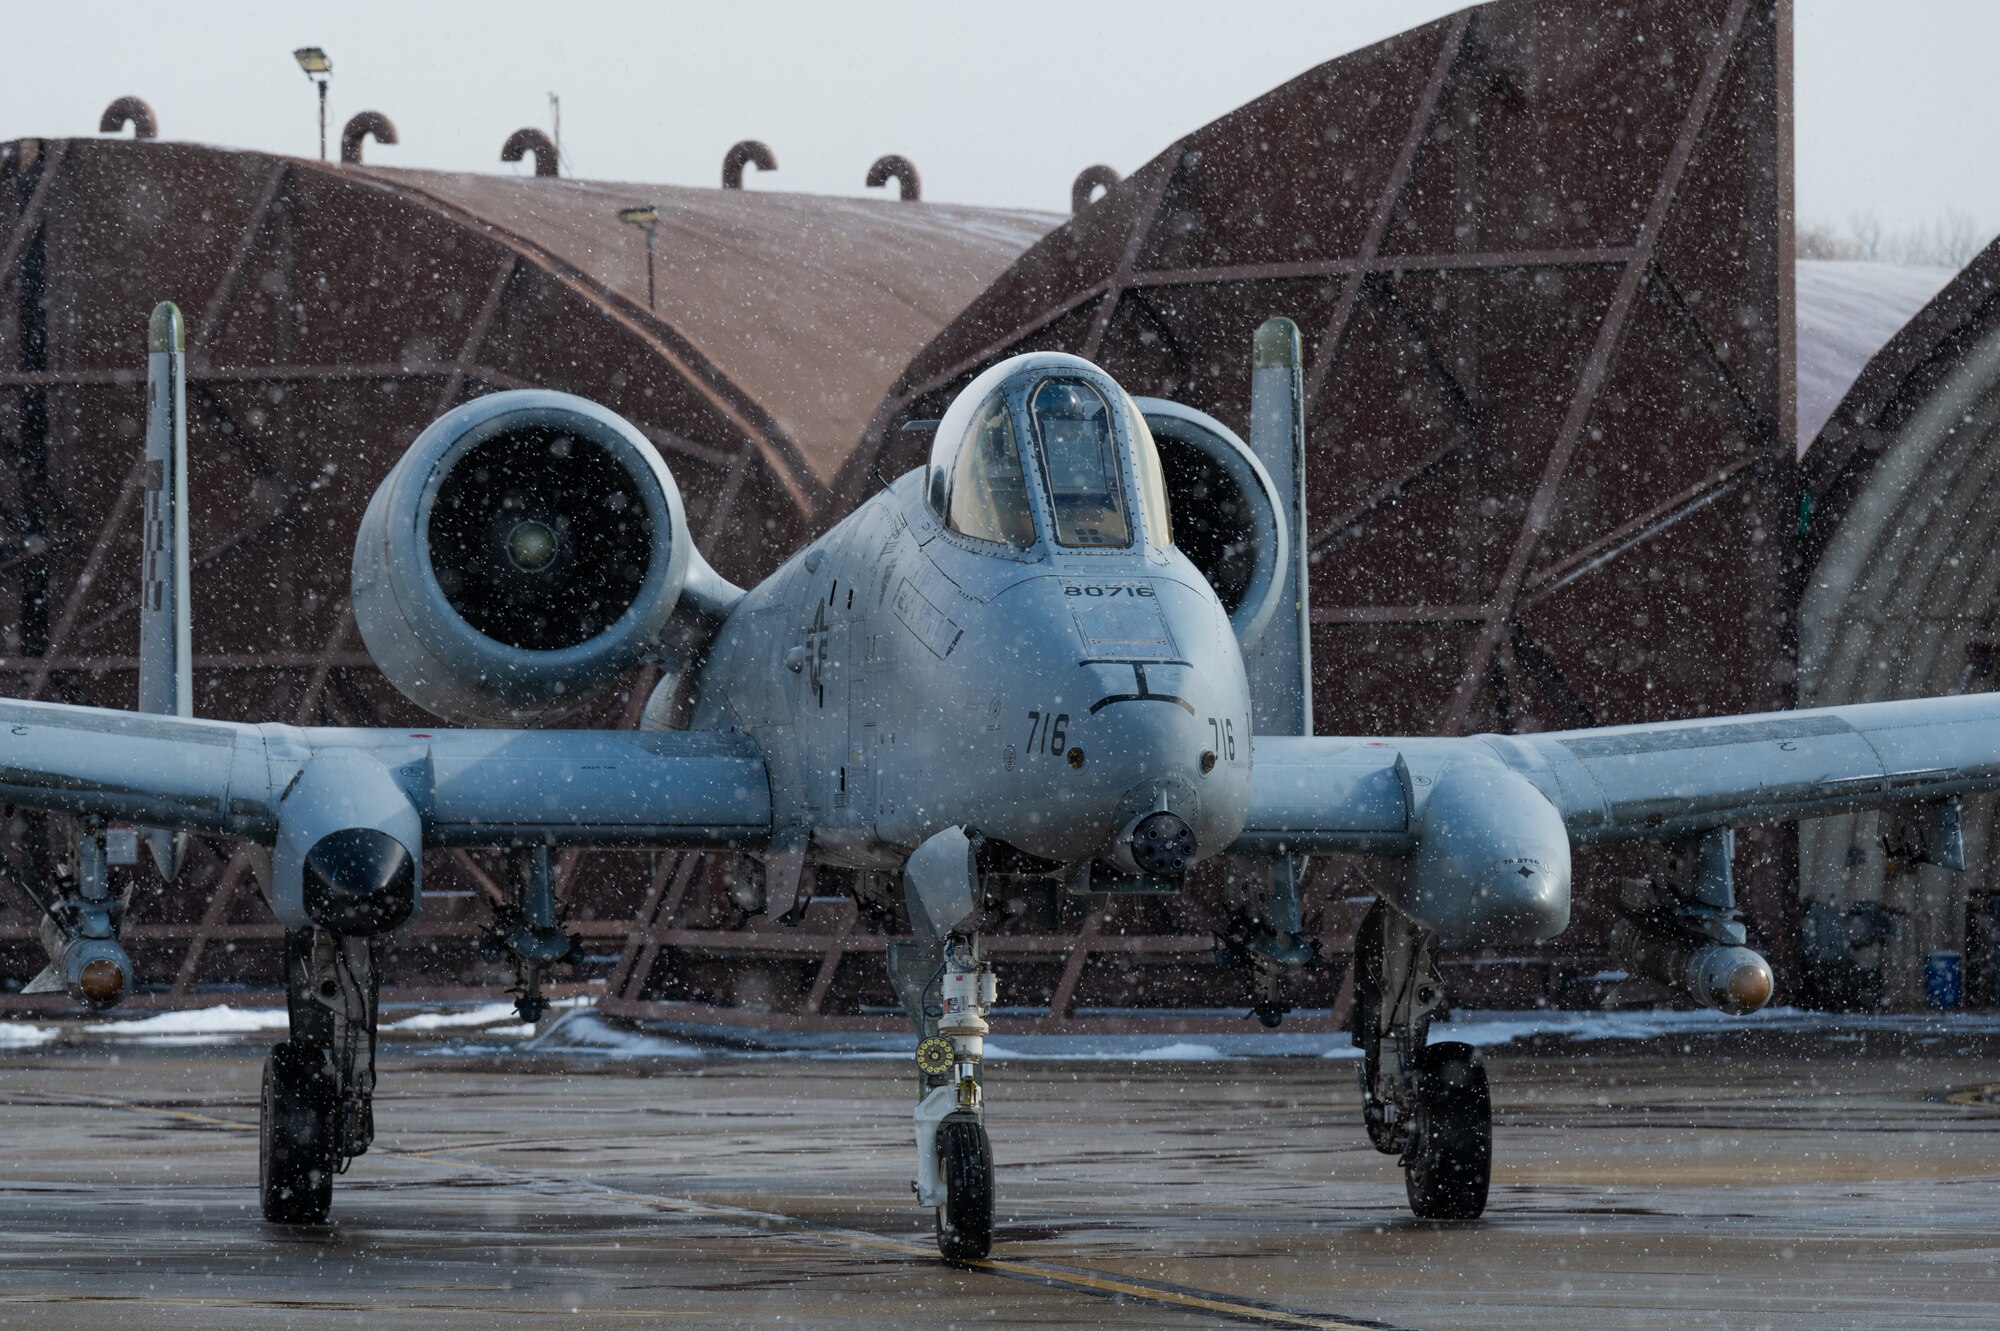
column 1541, row 257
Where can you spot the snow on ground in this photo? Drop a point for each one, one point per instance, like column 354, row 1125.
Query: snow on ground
column 1072, row 1049
column 584, row 1032
column 21, row 1035
column 577, row 1030
column 1488, row 1029
column 194, row 1025
column 444, row 1019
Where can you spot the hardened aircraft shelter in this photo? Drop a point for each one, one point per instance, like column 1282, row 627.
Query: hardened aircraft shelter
column 1540, row 254
column 333, row 311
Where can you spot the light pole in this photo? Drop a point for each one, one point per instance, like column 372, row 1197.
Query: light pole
column 647, row 217
column 318, row 69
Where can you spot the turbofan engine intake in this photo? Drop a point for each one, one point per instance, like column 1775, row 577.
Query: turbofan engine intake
column 527, row 549
column 1227, row 516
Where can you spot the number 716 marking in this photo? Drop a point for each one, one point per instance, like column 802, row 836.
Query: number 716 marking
column 1047, row 734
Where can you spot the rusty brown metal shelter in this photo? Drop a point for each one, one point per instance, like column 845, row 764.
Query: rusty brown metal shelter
column 1541, row 257
column 333, row 312
column 1540, row 253
column 1899, row 596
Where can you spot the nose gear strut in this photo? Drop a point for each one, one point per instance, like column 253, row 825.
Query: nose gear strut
column 954, row 1157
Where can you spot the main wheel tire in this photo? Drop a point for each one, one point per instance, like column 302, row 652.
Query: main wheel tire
column 295, row 1157
column 965, row 1161
column 1450, row 1160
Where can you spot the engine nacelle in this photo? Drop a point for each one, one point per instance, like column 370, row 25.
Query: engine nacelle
column 527, row 549
column 1227, row 517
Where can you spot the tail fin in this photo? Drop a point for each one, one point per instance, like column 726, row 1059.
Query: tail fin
column 166, row 684
column 1280, row 664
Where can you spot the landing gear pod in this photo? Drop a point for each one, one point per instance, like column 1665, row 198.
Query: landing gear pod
column 525, row 552
column 1492, row 862
column 350, row 849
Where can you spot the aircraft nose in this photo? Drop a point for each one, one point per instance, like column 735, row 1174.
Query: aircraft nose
column 1168, row 788
column 1139, row 708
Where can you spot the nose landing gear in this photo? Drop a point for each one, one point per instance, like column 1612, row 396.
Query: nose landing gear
column 954, row 1156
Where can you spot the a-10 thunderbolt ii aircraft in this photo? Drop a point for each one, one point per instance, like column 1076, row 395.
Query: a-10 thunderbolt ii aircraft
column 1003, row 672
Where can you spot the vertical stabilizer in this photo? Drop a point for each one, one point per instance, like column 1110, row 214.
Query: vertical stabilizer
column 166, row 683
column 1280, row 664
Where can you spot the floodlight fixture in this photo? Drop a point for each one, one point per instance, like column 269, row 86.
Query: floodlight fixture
column 319, row 68
column 645, row 216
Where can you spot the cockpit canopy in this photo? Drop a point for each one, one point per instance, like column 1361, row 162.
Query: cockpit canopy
column 1047, row 443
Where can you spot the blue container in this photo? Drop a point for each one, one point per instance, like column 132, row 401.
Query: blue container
column 1944, row 981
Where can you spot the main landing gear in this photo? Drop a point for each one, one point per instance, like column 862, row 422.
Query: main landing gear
column 1427, row 1103
column 319, row 1086
column 954, row 1157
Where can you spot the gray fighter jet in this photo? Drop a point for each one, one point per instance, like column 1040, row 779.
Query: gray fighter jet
column 1068, row 655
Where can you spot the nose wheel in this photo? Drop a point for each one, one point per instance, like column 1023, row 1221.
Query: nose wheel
column 965, row 1165
column 954, row 1155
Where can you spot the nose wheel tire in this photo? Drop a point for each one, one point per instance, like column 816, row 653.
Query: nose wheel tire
column 295, row 1157
column 965, row 1161
column 1450, row 1158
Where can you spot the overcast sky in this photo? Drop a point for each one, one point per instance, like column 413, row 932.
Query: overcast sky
column 998, row 104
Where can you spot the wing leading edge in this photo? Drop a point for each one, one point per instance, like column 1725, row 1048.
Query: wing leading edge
column 1632, row 783
column 470, row 787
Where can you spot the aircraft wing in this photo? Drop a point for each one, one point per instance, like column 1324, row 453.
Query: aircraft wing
column 468, row 787
column 1630, row 783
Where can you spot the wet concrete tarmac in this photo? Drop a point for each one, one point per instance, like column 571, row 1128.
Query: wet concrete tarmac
column 1711, row 1182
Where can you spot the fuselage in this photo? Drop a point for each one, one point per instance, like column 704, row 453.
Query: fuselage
column 901, row 678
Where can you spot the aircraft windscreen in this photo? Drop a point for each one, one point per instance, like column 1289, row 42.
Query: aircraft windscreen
column 1152, row 480
column 1080, row 462
column 989, row 495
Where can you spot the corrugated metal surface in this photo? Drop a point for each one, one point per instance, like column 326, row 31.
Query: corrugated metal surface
column 812, row 303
